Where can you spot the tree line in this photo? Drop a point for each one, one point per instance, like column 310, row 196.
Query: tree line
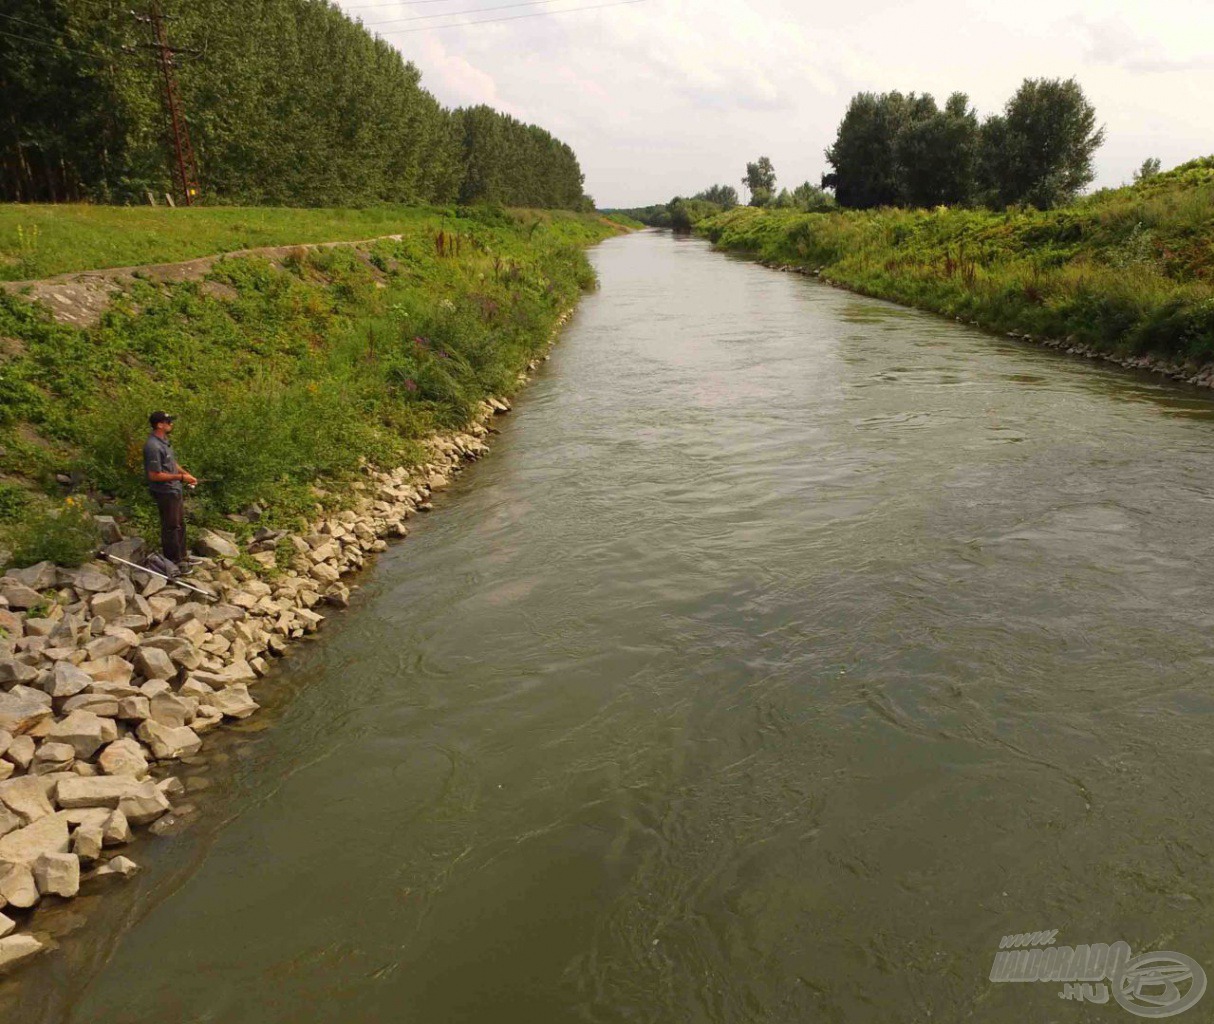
column 288, row 102
column 896, row 149
column 682, row 214
column 904, row 150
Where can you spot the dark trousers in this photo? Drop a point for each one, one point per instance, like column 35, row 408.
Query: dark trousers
column 172, row 525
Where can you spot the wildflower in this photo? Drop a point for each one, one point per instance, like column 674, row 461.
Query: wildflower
column 410, row 384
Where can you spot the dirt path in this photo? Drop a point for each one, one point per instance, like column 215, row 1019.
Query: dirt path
column 79, row 298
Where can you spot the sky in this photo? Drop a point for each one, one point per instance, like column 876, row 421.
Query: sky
column 660, row 98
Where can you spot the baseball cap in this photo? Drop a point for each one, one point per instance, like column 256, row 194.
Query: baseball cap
column 159, row 417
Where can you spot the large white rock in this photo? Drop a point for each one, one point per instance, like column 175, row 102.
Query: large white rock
column 144, row 804
column 99, row 791
column 124, row 757
column 7, row 924
column 19, row 712
column 26, row 845
column 67, row 680
column 103, row 705
column 18, row 595
column 87, row 842
column 84, row 731
column 134, row 709
column 17, row 886
column 57, row 874
column 110, row 645
column 110, row 669
column 119, row 867
column 234, row 701
column 116, row 830
column 17, row 948
column 173, row 711
column 20, row 751
column 42, row 576
column 169, row 743
column 109, row 605
column 53, row 757
column 211, row 545
column 155, row 664
column 26, row 797
column 13, row 671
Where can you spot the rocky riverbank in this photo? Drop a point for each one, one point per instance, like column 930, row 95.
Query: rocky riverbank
column 109, row 676
column 1186, row 373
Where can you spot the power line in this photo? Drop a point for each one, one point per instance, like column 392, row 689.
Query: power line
column 31, row 24
column 514, row 17
column 59, row 46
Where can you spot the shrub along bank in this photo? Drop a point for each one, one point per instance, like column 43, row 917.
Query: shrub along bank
column 282, row 373
column 1126, row 272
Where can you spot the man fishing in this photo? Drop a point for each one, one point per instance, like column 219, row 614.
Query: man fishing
column 164, row 479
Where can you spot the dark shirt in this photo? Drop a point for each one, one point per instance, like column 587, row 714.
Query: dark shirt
column 158, row 457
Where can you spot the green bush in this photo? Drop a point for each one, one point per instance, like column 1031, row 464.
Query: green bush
column 14, row 501
column 66, row 536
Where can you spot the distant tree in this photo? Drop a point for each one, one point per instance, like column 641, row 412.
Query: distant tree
column 684, row 214
column 936, row 153
column 725, row 196
column 1150, row 167
column 864, row 155
column 810, row 199
column 1039, row 151
column 761, row 181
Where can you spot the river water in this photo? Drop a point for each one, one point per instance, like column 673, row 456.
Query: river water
column 789, row 650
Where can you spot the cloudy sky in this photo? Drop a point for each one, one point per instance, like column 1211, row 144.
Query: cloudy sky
column 665, row 97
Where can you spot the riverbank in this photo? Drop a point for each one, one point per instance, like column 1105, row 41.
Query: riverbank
column 108, row 676
column 283, row 368
column 1125, row 275
column 326, row 392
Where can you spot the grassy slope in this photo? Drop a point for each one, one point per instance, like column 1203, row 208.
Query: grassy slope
column 1129, row 271
column 58, row 239
column 281, row 375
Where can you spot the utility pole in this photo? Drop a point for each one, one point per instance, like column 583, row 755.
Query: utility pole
column 184, row 163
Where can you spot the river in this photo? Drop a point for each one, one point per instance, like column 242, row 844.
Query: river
column 789, row 650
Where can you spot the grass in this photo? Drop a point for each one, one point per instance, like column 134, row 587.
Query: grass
column 282, row 375
column 40, row 241
column 1128, row 271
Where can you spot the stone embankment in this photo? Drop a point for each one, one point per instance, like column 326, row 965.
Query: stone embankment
column 109, row 676
column 1187, row 373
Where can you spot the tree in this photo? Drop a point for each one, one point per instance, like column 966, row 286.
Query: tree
column 761, row 181
column 810, row 199
column 863, row 154
column 1150, row 167
column 292, row 103
column 725, row 196
column 684, row 214
column 936, row 153
column 1039, row 151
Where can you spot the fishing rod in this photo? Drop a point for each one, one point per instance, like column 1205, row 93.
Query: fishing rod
column 152, row 572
